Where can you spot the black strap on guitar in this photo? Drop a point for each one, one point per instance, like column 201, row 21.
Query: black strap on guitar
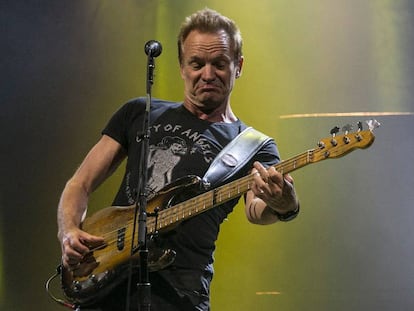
column 234, row 156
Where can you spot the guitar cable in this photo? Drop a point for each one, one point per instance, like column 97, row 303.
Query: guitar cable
column 54, row 298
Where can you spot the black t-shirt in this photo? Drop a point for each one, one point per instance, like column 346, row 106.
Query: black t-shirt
column 180, row 145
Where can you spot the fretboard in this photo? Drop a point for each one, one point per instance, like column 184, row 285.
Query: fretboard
column 220, row 195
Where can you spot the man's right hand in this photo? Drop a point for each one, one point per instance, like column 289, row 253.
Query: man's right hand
column 76, row 244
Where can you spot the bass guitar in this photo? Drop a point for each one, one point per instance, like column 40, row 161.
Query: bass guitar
column 107, row 264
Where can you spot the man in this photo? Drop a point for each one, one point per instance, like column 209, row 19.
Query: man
column 185, row 138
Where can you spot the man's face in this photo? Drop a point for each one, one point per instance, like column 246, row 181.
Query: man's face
column 177, row 148
column 208, row 69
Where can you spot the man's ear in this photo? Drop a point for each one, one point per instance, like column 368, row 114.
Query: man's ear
column 239, row 67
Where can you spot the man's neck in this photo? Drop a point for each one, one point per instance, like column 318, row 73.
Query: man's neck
column 222, row 113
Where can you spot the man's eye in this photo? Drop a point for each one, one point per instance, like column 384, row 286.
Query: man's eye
column 196, row 66
column 220, row 65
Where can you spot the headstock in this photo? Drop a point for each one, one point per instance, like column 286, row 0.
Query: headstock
column 339, row 145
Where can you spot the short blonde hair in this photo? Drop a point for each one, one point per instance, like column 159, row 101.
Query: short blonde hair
column 210, row 21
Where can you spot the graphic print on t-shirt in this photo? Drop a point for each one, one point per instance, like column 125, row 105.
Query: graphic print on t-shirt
column 162, row 159
column 172, row 148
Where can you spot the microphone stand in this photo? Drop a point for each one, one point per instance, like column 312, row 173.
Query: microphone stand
column 140, row 217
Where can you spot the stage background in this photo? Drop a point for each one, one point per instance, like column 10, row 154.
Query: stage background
column 66, row 66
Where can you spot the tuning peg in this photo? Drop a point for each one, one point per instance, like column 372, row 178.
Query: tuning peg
column 358, row 134
column 335, row 131
column 347, row 128
column 372, row 124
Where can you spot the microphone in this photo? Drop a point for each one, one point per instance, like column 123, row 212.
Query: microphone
column 153, row 48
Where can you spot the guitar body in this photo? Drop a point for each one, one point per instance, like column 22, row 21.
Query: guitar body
column 107, row 265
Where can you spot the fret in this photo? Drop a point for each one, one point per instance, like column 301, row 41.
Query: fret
column 310, row 156
column 189, row 207
column 166, row 215
column 151, row 226
column 174, row 214
column 249, row 185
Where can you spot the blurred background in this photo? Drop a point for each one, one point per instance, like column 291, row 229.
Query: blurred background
column 66, row 66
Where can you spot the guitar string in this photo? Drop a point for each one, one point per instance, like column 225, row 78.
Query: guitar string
column 187, row 209
column 112, row 237
column 190, row 207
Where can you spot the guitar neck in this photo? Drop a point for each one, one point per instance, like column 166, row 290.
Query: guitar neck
column 220, row 195
column 331, row 147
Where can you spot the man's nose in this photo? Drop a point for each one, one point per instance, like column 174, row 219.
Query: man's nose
column 208, row 73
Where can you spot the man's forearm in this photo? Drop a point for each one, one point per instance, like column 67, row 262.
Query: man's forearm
column 72, row 207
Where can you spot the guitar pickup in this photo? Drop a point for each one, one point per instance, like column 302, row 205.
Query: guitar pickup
column 120, row 241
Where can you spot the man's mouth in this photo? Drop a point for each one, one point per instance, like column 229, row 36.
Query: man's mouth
column 208, row 88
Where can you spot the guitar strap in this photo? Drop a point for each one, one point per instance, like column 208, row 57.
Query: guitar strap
column 234, row 156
